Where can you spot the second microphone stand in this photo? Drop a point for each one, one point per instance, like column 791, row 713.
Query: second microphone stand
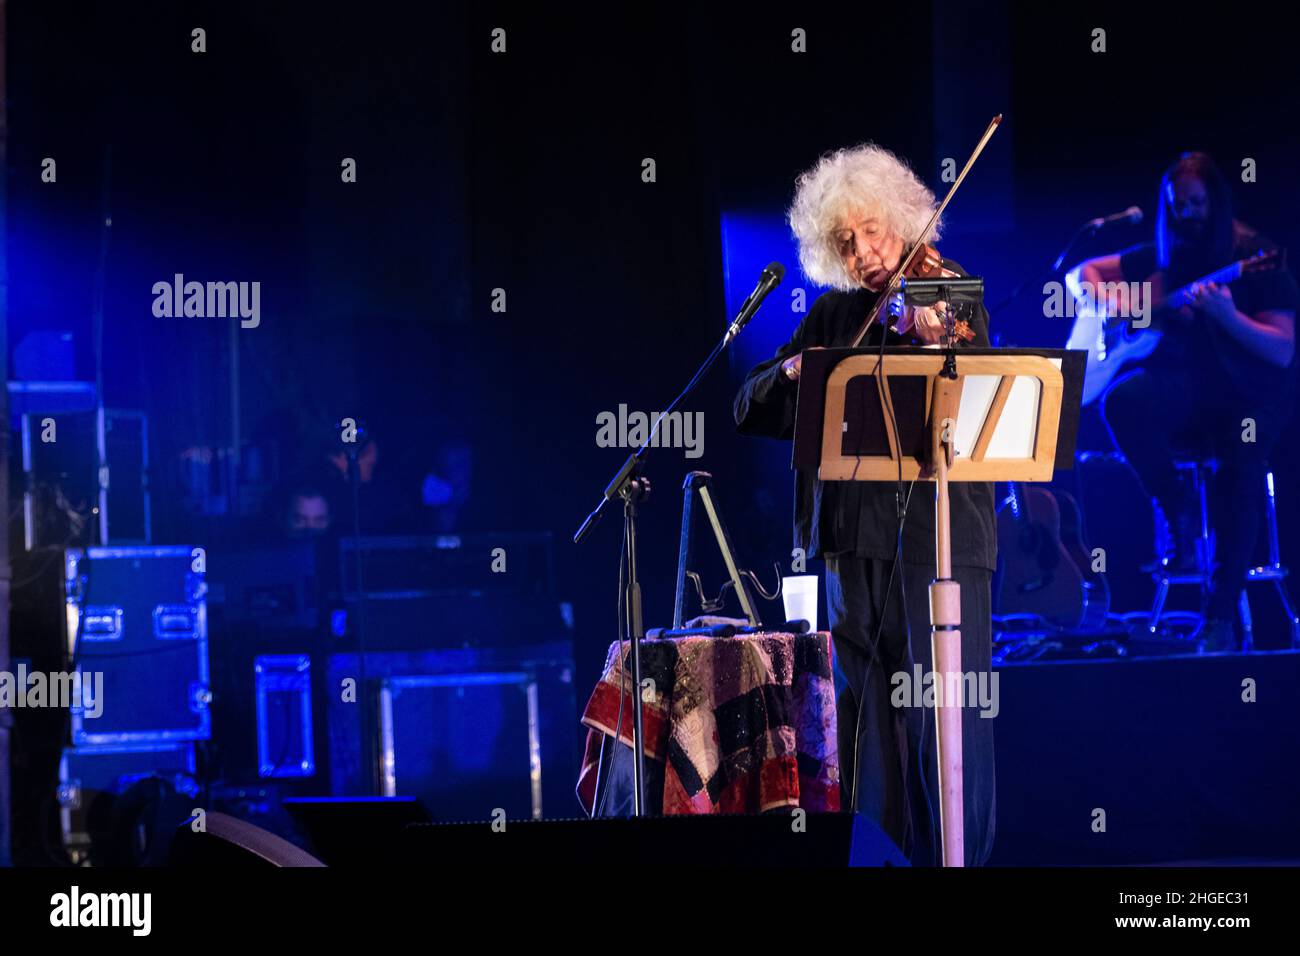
column 630, row 488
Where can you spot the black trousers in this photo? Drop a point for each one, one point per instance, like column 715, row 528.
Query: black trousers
column 894, row 743
column 1155, row 413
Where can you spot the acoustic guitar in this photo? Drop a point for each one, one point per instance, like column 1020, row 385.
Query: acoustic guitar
column 1113, row 341
column 1044, row 568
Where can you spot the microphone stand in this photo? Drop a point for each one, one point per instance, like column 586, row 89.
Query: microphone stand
column 99, row 527
column 1090, row 228
column 368, row 761
column 629, row 487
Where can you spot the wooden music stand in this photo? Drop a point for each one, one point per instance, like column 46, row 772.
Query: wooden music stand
column 999, row 418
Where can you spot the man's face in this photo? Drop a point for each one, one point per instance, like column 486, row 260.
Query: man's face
column 1190, row 205
column 308, row 515
column 869, row 250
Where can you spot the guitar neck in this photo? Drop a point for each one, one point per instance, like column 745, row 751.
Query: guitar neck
column 1182, row 296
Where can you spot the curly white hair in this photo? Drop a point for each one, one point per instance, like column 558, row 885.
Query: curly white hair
column 865, row 179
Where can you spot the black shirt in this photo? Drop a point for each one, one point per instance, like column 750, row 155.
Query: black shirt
column 1203, row 351
column 861, row 517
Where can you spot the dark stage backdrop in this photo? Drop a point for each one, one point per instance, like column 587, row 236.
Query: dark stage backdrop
column 522, row 172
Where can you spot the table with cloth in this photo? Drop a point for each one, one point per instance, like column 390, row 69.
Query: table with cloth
column 742, row 724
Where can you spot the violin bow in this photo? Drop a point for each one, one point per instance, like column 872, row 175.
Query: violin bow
column 892, row 287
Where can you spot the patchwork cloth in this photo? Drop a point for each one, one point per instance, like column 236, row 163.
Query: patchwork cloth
column 742, row 724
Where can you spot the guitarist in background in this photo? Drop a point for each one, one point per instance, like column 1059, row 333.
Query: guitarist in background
column 1228, row 356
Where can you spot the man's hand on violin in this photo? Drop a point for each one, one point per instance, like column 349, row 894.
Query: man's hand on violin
column 1214, row 300
column 925, row 323
column 793, row 366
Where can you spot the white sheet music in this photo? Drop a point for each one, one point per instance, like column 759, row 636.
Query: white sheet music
column 1016, row 432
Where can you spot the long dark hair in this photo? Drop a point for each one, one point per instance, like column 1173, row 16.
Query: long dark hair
column 1220, row 235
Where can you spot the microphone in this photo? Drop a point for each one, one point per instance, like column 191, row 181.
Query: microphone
column 769, row 280
column 1132, row 214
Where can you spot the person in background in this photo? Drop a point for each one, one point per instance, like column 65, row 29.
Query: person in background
column 384, row 509
column 447, row 486
column 1227, row 358
column 306, row 513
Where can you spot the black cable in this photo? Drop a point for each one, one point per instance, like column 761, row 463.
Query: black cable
column 54, row 554
column 920, row 757
column 901, row 504
column 369, row 753
column 875, row 644
column 598, row 808
column 907, row 624
column 65, row 730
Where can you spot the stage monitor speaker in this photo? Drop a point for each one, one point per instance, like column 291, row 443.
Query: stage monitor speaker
column 352, row 831
column 771, row 839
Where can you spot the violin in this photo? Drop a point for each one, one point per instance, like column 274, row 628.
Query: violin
column 928, row 264
column 922, row 260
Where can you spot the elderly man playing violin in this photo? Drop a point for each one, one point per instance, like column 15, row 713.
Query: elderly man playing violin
column 856, row 214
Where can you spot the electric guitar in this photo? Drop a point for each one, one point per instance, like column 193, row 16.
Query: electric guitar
column 1113, row 341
